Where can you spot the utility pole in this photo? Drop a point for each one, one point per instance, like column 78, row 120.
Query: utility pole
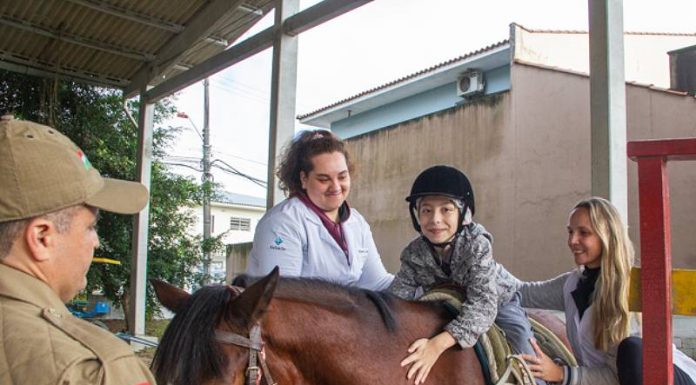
column 206, row 179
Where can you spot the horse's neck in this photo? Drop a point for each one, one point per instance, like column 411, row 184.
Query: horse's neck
column 314, row 345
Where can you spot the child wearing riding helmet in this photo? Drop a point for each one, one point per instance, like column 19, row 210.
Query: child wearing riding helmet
column 453, row 249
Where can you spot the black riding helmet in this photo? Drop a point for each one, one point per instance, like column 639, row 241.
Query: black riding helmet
column 441, row 180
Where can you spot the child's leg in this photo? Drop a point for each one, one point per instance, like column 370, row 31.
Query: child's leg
column 513, row 320
column 629, row 364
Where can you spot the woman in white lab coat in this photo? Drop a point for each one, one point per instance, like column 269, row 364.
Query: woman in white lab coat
column 595, row 301
column 314, row 233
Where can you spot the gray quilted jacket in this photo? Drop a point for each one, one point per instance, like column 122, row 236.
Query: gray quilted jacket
column 487, row 284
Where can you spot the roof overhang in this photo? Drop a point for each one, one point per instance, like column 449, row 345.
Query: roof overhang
column 134, row 46
column 436, row 76
column 125, row 45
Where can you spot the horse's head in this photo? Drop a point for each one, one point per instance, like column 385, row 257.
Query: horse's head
column 197, row 348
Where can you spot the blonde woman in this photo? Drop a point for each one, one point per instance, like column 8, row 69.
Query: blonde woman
column 595, row 301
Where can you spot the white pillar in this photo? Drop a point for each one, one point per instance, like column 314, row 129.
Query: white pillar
column 283, row 94
column 138, row 284
column 608, row 103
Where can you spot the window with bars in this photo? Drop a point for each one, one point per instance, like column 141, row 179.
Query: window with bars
column 240, row 224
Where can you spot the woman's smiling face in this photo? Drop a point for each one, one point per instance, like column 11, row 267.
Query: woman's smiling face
column 583, row 241
column 328, row 184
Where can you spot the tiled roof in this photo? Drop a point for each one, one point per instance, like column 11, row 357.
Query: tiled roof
column 407, row 77
column 562, row 31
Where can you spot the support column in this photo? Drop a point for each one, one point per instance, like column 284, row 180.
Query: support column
column 138, row 283
column 608, row 103
column 656, row 251
column 656, row 270
column 283, row 94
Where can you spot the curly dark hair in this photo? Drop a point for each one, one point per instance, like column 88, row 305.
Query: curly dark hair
column 298, row 154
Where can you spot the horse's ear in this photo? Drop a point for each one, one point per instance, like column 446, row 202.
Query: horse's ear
column 252, row 303
column 169, row 295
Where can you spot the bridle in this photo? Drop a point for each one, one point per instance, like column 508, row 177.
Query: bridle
column 255, row 346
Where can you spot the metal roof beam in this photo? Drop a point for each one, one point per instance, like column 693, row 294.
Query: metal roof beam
column 113, row 10
column 109, row 9
column 36, row 69
column 74, row 39
column 318, row 14
column 234, row 54
column 199, row 28
column 302, row 21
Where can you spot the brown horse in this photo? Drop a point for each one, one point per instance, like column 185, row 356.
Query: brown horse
column 312, row 333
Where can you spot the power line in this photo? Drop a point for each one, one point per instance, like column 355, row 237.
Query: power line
column 231, row 169
column 226, row 168
column 241, row 158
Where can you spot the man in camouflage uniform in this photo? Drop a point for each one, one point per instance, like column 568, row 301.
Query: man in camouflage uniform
column 49, row 200
column 454, row 250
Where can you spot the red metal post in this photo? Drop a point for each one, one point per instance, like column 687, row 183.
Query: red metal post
column 656, row 267
column 656, row 251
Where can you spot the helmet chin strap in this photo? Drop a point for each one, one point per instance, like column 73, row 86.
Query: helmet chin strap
column 442, row 245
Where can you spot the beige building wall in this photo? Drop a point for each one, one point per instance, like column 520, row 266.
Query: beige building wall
column 527, row 153
column 645, row 54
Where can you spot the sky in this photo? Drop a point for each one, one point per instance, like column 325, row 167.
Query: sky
column 374, row 44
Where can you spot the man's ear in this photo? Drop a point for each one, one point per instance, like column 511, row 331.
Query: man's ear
column 39, row 237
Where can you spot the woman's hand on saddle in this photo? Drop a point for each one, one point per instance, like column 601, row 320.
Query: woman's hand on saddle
column 423, row 354
column 542, row 366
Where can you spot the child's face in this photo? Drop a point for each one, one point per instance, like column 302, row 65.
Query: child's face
column 583, row 241
column 438, row 217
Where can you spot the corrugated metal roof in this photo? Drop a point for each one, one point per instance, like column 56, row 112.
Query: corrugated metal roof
column 406, row 78
column 108, row 41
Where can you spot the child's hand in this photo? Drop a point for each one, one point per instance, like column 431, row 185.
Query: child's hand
column 542, row 366
column 424, row 353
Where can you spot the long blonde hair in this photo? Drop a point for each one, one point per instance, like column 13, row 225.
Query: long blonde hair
column 610, row 314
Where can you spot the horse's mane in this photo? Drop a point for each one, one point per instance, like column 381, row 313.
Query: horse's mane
column 187, row 351
column 342, row 299
column 328, row 294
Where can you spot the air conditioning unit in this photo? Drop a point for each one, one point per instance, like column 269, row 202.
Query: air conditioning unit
column 470, row 83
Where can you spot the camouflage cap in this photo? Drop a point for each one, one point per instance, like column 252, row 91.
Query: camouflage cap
column 41, row 171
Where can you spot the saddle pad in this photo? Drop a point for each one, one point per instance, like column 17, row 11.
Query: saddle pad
column 494, row 345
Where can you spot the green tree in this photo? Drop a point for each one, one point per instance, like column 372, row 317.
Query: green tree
column 94, row 118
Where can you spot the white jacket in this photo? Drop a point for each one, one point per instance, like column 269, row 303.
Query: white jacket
column 596, row 367
column 292, row 237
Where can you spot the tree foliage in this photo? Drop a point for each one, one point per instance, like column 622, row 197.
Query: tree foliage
column 95, row 120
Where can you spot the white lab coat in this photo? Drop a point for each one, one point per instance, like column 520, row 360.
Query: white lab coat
column 292, row 237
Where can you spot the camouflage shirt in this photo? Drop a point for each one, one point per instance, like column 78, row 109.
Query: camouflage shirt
column 486, row 283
